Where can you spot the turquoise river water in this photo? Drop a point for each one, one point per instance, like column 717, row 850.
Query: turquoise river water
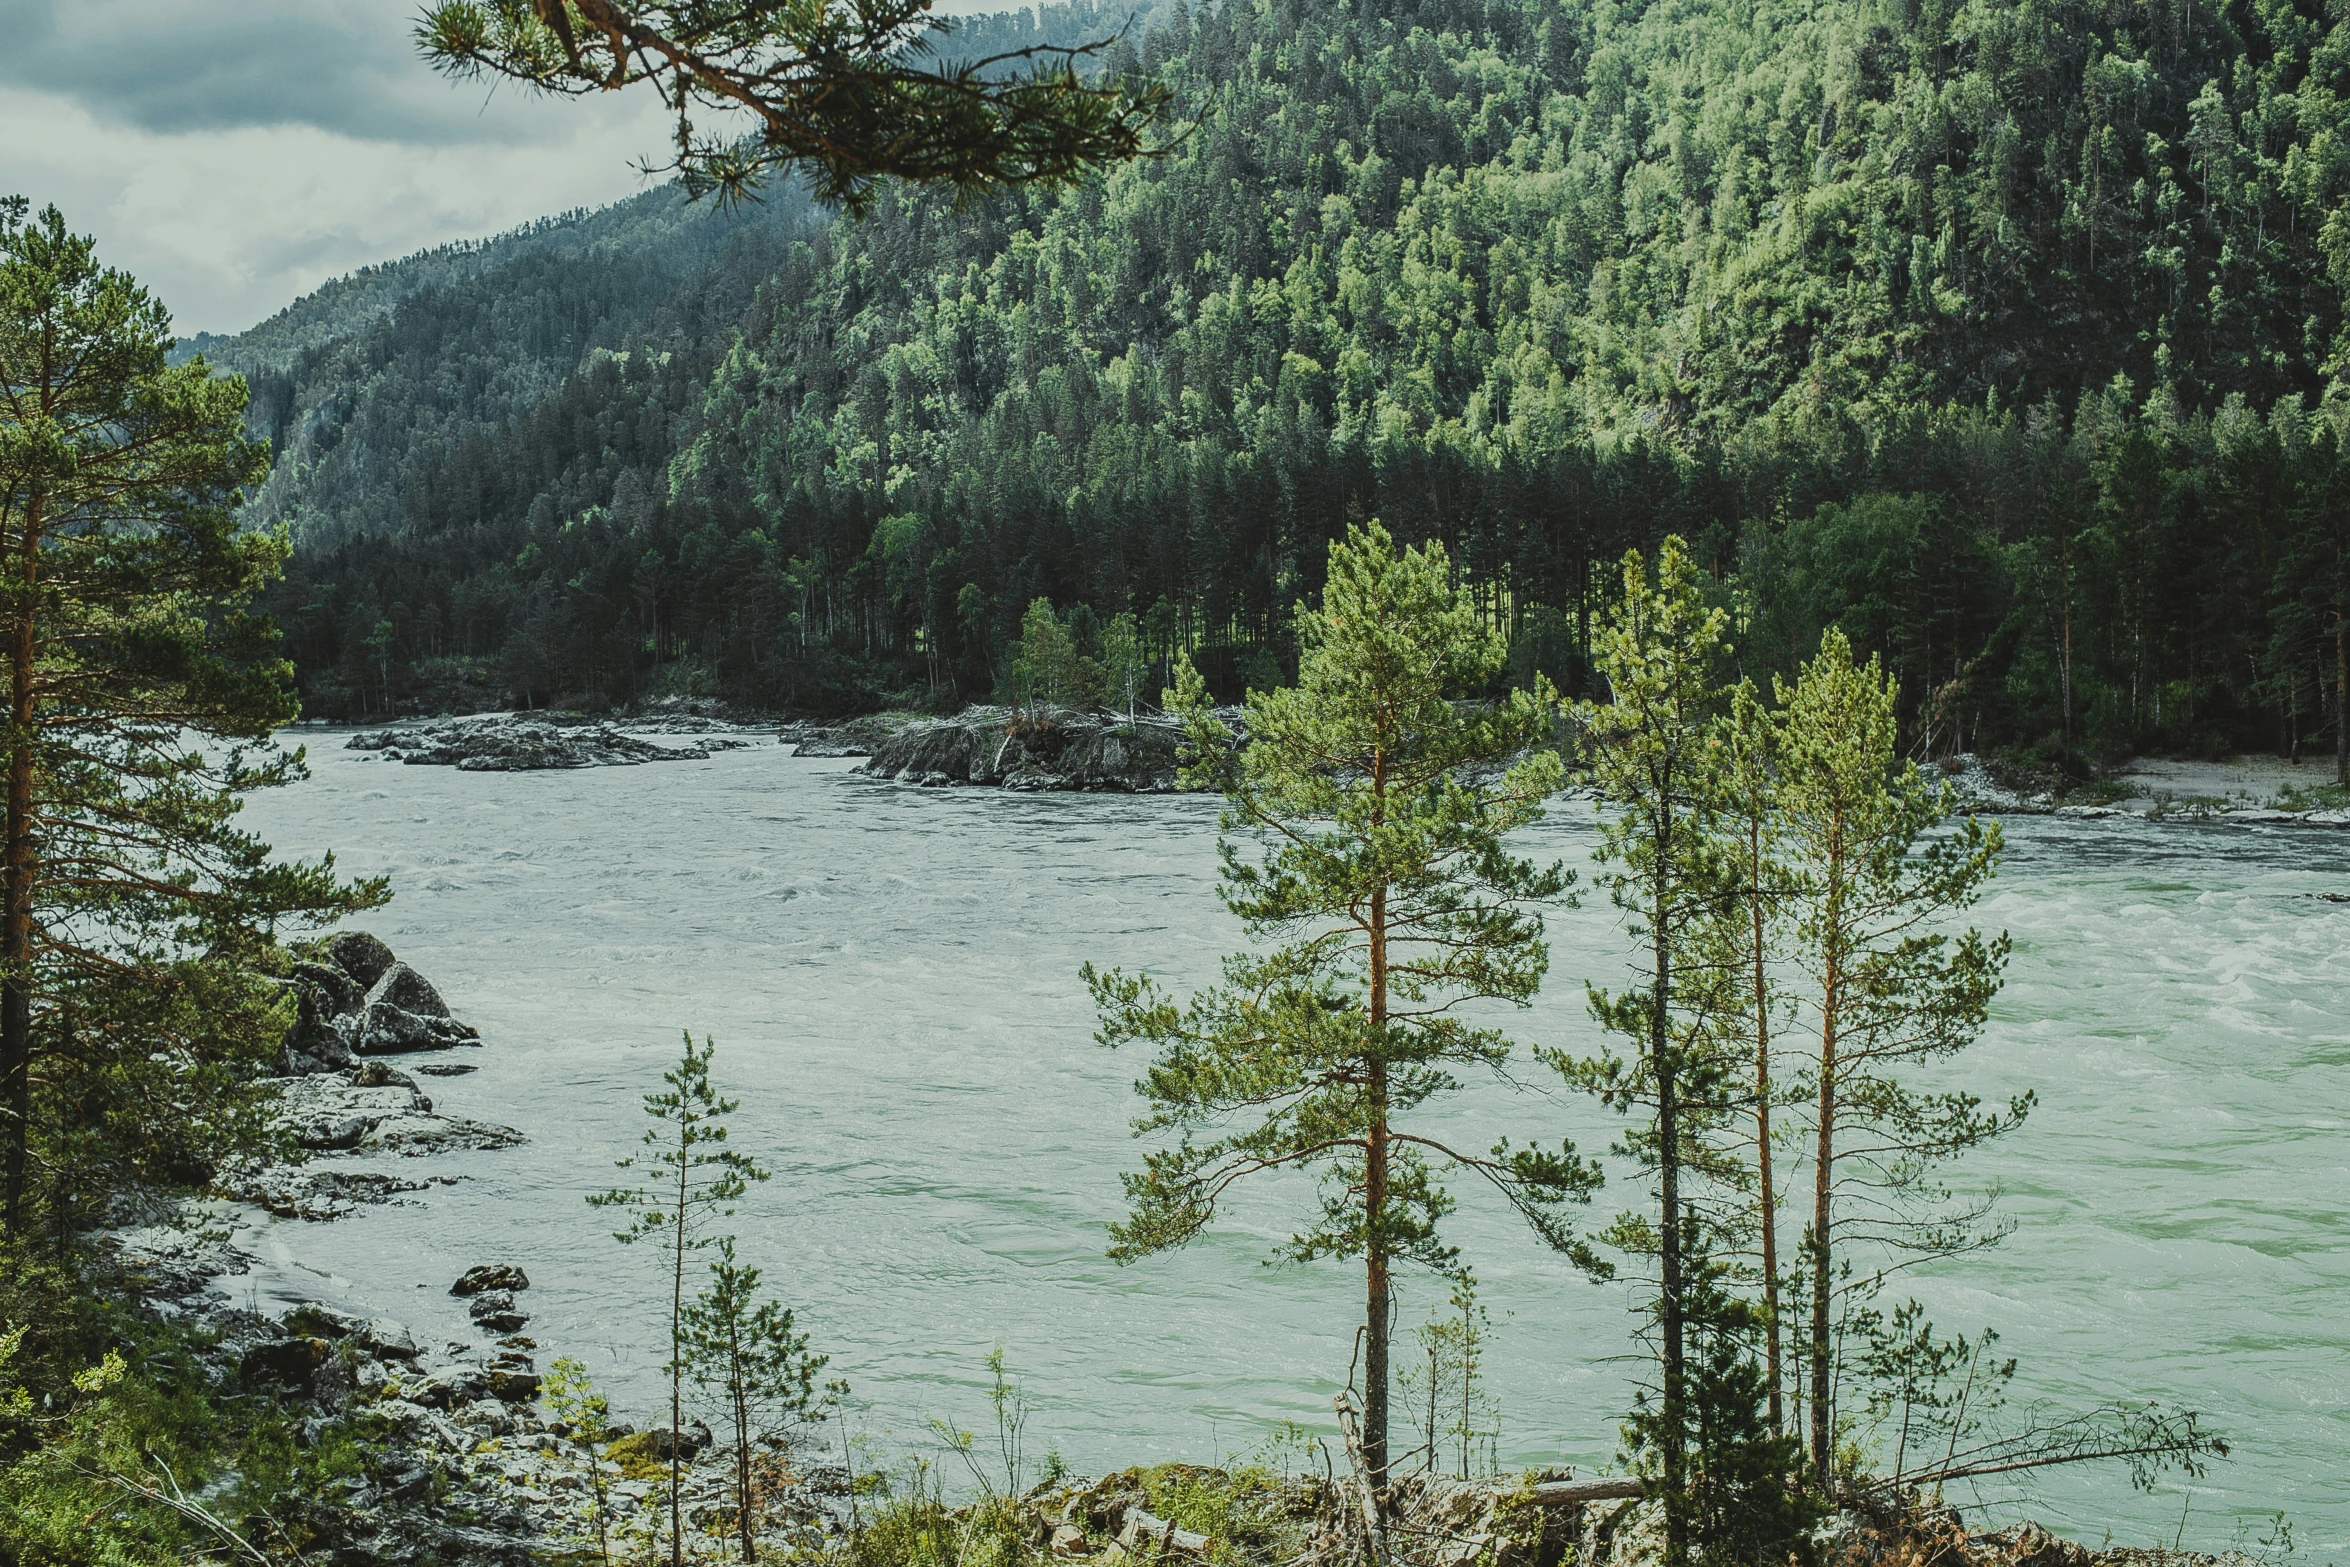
column 890, row 974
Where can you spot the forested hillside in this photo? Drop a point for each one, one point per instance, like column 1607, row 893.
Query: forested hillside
column 2000, row 332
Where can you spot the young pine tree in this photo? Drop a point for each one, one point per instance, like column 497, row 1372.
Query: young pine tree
column 1745, row 933
column 1383, row 901
column 1653, row 757
column 694, row 1180
column 747, row 1352
column 1878, row 874
column 136, row 920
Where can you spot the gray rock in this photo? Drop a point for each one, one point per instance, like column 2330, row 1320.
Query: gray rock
column 361, row 956
column 450, row 1388
column 375, row 1074
column 326, row 988
column 508, row 743
column 318, row 1320
column 384, row 1029
column 489, row 1303
column 401, row 986
column 1051, row 750
column 290, row 1360
column 513, row 1386
column 691, row 1440
column 490, row 1276
column 333, row 1132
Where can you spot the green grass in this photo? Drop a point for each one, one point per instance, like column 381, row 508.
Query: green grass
column 2311, row 797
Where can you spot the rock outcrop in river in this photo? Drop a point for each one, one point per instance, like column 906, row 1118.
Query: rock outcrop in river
column 354, row 998
column 1054, row 749
column 510, row 743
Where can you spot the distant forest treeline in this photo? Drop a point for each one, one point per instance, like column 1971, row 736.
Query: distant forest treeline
column 2000, row 332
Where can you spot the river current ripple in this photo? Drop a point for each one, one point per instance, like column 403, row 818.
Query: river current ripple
column 890, row 974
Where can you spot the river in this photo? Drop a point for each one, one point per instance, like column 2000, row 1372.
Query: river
column 890, row 974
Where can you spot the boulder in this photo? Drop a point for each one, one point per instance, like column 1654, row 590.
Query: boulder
column 513, row 1386
column 401, row 986
column 490, row 1276
column 360, row 956
column 375, row 1074
column 323, row 1043
column 328, row 992
column 489, row 1303
column 690, row 1441
column 384, row 1337
column 333, row 1133
column 290, row 1360
column 447, row 1031
column 316, row 1320
column 382, row 1029
column 449, row 1388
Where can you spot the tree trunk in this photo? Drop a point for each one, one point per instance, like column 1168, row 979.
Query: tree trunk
column 742, row 1433
column 1668, row 1134
column 1824, row 1158
column 677, row 1359
column 1768, row 1205
column 1376, row 1307
column 16, row 891
column 2065, row 662
column 2342, row 700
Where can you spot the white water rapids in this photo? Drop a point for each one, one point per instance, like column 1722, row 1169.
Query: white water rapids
column 891, row 976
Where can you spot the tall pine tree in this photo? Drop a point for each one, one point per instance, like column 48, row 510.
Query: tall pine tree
column 1386, row 902
column 137, row 922
column 1887, row 987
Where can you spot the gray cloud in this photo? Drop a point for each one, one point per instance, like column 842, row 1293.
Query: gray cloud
column 168, row 66
column 234, row 154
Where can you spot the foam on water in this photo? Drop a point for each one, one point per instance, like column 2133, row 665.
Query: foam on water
column 891, row 976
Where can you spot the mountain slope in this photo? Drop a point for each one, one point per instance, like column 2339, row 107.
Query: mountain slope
column 1966, row 323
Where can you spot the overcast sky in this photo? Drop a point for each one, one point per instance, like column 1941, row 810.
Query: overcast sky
column 234, row 154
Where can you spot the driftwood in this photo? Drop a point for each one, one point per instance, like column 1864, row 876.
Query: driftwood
column 1350, row 1428
column 1146, row 1528
column 1574, row 1493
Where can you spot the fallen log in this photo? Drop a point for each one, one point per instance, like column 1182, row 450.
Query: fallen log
column 1146, row 1528
column 1574, row 1493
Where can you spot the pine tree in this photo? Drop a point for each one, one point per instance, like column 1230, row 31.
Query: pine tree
column 137, row 923
column 1652, row 754
column 1876, row 875
column 1385, row 901
column 697, row 1180
column 747, row 1351
column 1746, row 934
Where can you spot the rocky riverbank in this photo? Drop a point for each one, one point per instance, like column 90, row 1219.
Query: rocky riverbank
column 2244, row 791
